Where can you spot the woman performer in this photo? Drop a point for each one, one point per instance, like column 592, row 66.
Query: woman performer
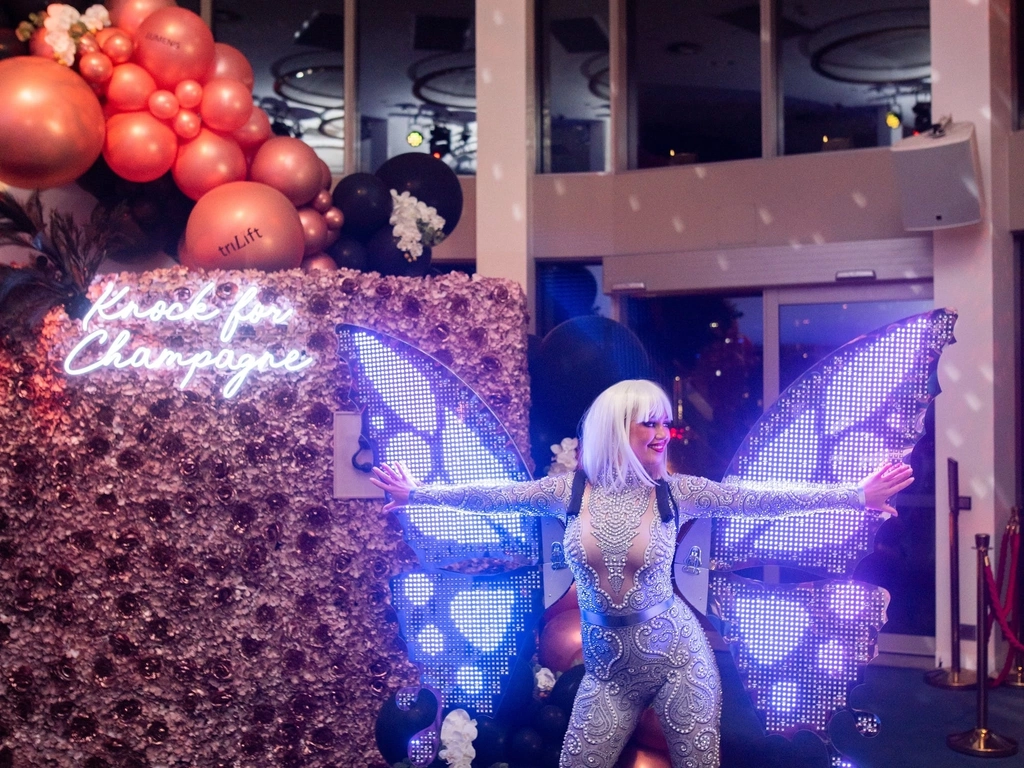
column 642, row 645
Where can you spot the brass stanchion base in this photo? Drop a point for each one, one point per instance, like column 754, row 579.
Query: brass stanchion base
column 950, row 679
column 1016, row 678
column 981, row 742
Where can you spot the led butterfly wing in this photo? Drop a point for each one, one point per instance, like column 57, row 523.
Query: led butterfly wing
column 860, row 407
column 463, row 631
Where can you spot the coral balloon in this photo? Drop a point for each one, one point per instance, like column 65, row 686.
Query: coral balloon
column 118, row 46
column 561, row 642
column 325, row 174
column 95, row 67
column 290, row 166
column 207, row 161
column 87, row 44
column 174, row 44
column 187, row 124
column 139, row 147
column 319, row 261
column 322, row 202
column 230, row 62
column 163, row 104
column 129, row 14
column 51, row 123
column 314, row 230
column 38, row 46
column 255, row 131
column 102, row 35
column 335, row 218
column 634, row 757
column 243, row 225
column 130, row 88
column 189, row 94
column 226, row 104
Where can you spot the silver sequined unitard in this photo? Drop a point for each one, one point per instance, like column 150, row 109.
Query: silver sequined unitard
column 642, row 646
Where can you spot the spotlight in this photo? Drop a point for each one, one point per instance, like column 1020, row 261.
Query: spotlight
column 414, row 139
column 922, row 116
column 894, row 118
column 440, row 142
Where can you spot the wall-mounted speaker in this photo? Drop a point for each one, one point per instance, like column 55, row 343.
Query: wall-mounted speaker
column 939, row 178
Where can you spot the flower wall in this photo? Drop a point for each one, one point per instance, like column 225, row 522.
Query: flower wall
column 177, row 585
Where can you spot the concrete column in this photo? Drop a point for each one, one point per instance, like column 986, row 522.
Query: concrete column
column 976, row 421
column 506, row 139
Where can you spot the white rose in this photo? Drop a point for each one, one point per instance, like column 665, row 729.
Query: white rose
column 96, row 18
column 544, row 679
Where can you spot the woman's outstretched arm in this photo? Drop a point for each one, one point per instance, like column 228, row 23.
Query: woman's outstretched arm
column 547, row 496
column 699, row 497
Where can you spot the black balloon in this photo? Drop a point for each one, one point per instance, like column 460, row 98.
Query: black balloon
column 366, row 202
column 427, row 179
column 384, row 256
column 551, row 756
column 349, row 252
column 490, row 742
column 551, row 722
column 564, row 692
column 526, row 746
column 396, row 726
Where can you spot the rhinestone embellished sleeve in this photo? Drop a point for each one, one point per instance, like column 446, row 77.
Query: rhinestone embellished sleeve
column 547, row 496
column 699, row 497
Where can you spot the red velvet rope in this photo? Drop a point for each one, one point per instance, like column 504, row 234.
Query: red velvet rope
column 1000, row 611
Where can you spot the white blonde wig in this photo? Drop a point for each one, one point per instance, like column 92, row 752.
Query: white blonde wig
column 606, row 455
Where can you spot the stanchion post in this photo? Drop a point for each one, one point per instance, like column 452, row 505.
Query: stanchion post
column 953, row 677
column 1015, row 679
column 980, row 741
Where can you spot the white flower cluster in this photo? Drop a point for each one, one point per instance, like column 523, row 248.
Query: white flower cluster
column 543, row 681
column 565, row 456
column 415, row 224
column 457, row 734
column 65, row 26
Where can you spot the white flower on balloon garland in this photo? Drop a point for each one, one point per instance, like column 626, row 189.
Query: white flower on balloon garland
column 65, row 27
column 565, row 456
column 457, row 734
column 415, row 223
column 543, row 681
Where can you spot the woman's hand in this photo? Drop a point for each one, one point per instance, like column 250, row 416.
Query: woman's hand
column 885, row 483
column 397, row 481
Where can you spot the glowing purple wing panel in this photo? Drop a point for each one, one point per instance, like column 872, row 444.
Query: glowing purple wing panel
column 420, row 412
column 799, row 646
column 859, row 407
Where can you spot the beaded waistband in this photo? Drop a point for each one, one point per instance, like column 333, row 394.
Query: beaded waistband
column 628, row 619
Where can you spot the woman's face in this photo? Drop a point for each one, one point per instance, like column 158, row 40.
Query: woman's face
column 649, row 441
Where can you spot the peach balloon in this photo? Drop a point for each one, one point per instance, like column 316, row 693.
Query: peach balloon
column 129, row 14
column 290, row 166
column 37, row 45
column 118, row 46
column 187, row 124
column 139, row 147
column 102, row 35
column 163, row 104
column 314, row 230
column 255, row 131
column 95, row 67
column 208, row 161
column 635, row 757
column 325, row 174
column 322, row 202
column 561, row 642
column 567, row 602
column 334, row 217
column 189, row 93
column 174, row 44
column 230, row 62
column 87, row 44
column 51, row 123
column 319, row 261
column 243, row 225
column 226, row 104
column 130, row 88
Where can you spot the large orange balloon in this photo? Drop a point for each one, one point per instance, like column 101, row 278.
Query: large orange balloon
column 174, row 44
column 290, row 166
column 51, row 123
column 255, row 131
column 561, row 642
column 208, row 161
column 129, row 14
column 226, row 104
column 129, row 88
column 243, row 225
column 228, row 61
column 139, row 147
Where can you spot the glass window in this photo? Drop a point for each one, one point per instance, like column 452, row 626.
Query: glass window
column 854, row 74
column 417, row 81
column 707, row 351
column 295, row 49
column 572, row 71
column 568, row 290
column 694, row 81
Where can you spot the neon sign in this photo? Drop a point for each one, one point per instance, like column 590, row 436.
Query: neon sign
column 102, row 348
